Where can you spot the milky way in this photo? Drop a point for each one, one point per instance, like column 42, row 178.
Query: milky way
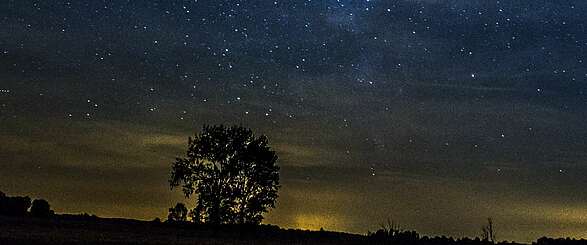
column 435, row 114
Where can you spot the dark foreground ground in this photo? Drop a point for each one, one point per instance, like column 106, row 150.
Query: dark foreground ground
column 88, row 230
column 76, row 229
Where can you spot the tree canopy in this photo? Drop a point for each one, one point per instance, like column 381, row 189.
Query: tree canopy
column 232, row 172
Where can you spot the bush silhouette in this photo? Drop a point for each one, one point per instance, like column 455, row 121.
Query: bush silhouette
column 41, row 209
column 232, row 172
column 14, row 206
column 179, row 213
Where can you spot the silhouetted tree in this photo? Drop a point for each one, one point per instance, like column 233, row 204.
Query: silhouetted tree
column 41, row 209
column 14, row 206
column 179, row 213
column 487, row 231
column 393, row 234
column 233, row 173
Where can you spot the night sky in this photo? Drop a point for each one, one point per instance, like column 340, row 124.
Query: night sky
column 434, row 114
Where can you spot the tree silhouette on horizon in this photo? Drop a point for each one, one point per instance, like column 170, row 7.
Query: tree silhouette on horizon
column 41, row 209
column 179, row 213
column 232, row 172
column 14, row 206
column 488, row 231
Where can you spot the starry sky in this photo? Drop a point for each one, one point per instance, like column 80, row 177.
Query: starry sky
column 434, row 114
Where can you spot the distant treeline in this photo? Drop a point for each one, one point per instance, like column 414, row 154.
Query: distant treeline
column 559, row 241
column 393, row 235
column 397, row 236
column 22, row 206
